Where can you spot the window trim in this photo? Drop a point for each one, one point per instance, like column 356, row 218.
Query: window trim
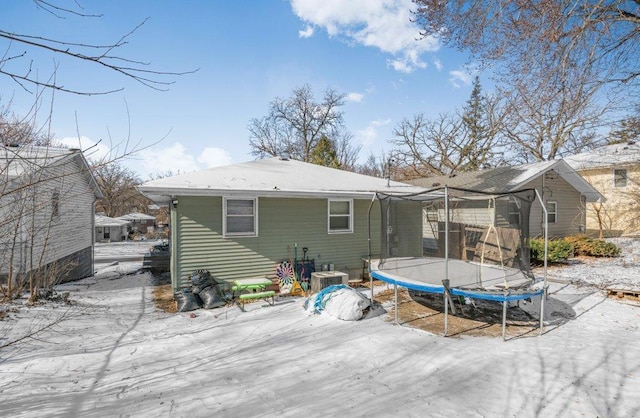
column 513, row 202
column 626, row 178
column 225, row 233
column 349, row 216
column 55, row 204
column 431, row 213
column 554, row 212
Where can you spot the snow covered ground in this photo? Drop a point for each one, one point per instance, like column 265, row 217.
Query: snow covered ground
column 112, row 353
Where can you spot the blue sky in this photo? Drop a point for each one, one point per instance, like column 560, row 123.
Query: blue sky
column 248, row 53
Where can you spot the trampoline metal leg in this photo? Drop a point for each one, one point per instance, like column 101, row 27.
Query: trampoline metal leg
column 395, row 291
column 504, row 320
column 446, row 315
column 542, row 299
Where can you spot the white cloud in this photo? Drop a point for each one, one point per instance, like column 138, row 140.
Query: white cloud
column 460, row 77
column 307, row 32
column 92, row 150
column 368, row 135
column 156, row 160
column 354, row 97
column 386, row 25
column 173, row 158
column 214, row 157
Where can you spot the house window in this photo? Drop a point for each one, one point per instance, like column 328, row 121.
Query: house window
column 55, row 204
column 340, row 216
column 514, row 211
column 432, row 213
column 240, row 217
column 619, row 178
column 552, row 212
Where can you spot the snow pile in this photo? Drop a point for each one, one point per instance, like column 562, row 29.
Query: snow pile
column 113, row 353
column 339, row 301
column 621, row 272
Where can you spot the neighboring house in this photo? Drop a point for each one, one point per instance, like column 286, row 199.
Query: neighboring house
column 615, row 171
column 139, row 222
column 47, row 203
column 110, row 229
column 563, row 191
column 242, row 220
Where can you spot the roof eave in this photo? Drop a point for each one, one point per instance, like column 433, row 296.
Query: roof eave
column 164, row 195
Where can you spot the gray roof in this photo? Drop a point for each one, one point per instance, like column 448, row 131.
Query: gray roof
column 17, row 160
column 136, row 216
column 275, row 177
column 21, row 160
column 616, row 155
column 102, row 220
column 510, row 179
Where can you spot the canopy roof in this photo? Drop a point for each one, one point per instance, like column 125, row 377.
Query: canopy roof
column 510, row 179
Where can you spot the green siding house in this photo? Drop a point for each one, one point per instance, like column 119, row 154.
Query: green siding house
column 242, row 220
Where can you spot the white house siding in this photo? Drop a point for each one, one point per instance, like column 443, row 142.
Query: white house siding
column 42, row 238
column 282, row 223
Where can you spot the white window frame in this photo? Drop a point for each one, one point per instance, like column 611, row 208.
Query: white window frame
column 514, row 203
column 225, row 233
column 553, row 212
column 626, row 178
column 349, row 230
column 55, row 204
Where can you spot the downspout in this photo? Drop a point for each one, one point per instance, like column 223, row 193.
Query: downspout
column 93, row 237
column 173, row 240
column 373, row 199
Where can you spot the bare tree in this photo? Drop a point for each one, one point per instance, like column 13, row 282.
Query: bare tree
column 376, row 166
column 563, row 67
column 546, row 118
column 36, row 197
column 118, row 186
column 627, row 129
column 600, row 37
column 465, row 141
column 295, row 125
column 20, row 63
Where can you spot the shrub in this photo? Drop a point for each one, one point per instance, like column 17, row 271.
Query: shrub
column 558, row 250
column 583, row 245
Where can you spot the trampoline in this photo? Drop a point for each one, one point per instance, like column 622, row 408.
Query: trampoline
column 470, row 246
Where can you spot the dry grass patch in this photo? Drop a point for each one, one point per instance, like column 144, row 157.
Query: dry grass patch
column 163, row 298
column 426, row 312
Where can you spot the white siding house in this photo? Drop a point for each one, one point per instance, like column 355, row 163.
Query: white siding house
column 47, row 198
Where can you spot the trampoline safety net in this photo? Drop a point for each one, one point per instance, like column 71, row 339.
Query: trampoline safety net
column 472, row 230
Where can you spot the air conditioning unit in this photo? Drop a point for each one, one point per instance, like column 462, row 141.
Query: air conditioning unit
column 322, row 279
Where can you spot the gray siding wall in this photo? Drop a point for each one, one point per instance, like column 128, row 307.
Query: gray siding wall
column 570, row 205
column 198, row 242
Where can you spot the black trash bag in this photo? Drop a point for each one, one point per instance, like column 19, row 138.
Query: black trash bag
column 212, row 297
column 187, row 301
column 201, row 279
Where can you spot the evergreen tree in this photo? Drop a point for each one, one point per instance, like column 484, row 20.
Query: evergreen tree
column 628, row 130
column 475, row 152
column 324, row 153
